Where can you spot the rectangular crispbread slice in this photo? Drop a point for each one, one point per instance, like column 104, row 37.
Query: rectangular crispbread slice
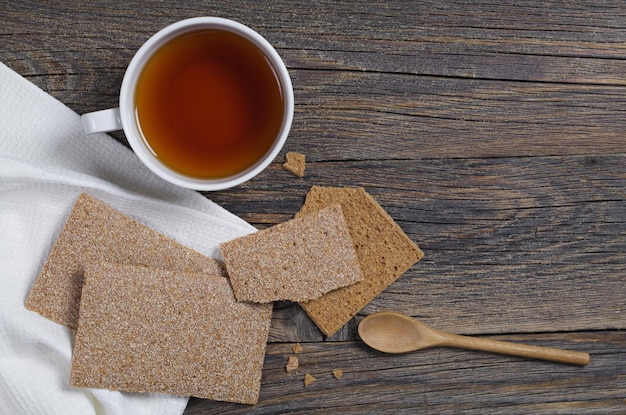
column 384, row 251
column 297, row 260
column 96, row 232
column 149, row 330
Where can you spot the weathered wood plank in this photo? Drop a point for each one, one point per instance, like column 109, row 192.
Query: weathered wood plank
column 349, row 115
column 440, row 381
column 459, row 39
column 474, row 191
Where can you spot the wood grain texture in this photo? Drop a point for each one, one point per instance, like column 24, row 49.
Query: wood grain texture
column 439, row 380
column 494, row 133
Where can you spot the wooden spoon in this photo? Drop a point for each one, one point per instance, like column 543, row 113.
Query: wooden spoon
column 392, row 332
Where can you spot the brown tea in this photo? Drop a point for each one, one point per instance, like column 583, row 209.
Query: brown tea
column 209, row 104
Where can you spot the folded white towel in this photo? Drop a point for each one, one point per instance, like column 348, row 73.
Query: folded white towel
column 46, row 161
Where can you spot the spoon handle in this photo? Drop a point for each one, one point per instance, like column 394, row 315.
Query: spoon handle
column 516, row 349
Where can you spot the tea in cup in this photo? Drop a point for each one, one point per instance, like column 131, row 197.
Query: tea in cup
column 206, row 103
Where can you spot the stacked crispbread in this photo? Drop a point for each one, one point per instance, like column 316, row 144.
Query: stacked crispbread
column 154, row 316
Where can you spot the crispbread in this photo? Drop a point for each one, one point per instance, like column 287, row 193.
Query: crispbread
column 297, row 260
column 295, row 163
column 292, row 364
column 385, row 252
column 96, row 232
column 309, row 379
column 149, row 330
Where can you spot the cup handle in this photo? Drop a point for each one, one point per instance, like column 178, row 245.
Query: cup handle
column 102, row 121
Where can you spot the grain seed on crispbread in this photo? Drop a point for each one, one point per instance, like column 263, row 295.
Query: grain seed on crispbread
column 149, row 330
column 385, row 252
column 96, row 232
column 296, row 260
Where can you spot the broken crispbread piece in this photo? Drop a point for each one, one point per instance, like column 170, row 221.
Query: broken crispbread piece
column 295, row 163
column 385, row 252
column 149, row 330
column 297, row 260
column 96, row 232
column 292, row 364
column 309, row 379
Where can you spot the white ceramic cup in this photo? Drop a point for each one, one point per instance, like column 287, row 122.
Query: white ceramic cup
column 123, row 117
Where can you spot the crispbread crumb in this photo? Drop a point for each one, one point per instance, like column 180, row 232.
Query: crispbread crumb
column 95, row 232
column 292, row 364
column 296, row 260
column 338, row 373
column 296, row 348
column 295, row 163
column 385, row 252
column 308, row 379
column 149, row 330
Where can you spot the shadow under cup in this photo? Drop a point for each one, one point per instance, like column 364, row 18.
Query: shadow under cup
column 207, row 104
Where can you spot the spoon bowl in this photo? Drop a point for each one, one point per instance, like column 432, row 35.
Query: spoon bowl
column 393, row 332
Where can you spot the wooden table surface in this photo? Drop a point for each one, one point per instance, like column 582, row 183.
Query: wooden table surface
column 494, row 133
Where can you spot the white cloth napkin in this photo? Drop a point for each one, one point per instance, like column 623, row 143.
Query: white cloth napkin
column 45, row 162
